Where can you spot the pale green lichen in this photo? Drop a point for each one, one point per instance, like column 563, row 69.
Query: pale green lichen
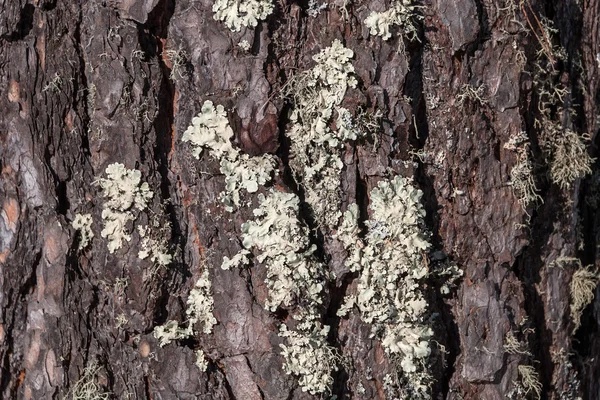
column 87, row 387
column 83, row 224
column 170, row 331
column 315, row 147
column 402, row 14
column 201, row 361
column 124, row 191
column 200, row 305
column 583, row 285
column 284, row 247
column 156, row 249
column 309, row 357
column 564, row 149
column 295, row 279
column 522, row 177
column 210, row 130
column 392, row 266
column 241, row 13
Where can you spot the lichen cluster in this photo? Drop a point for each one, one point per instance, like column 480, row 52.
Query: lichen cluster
column 317, row 95
column 522, row 174
column 241, row 13
column 392, row 267
column 295, row 280
column 200, row 305
column 83, row 223
column 123, row 191
column 210, row 130
column 402, row 14
column 564, row 149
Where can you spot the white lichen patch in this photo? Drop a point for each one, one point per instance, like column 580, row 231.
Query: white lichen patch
column 156, row 249
column 200, row 305
column 295, row 280
column 283, row 245
column 201, row 361
column 241, row 13
column 309, row 357
column 402, row 14
column 83, row 224
column 522, row 177
column 317, row 95
column 244, row 45
column 392, row 266
column 123, row 191
column 170, row 331
column 210, row 130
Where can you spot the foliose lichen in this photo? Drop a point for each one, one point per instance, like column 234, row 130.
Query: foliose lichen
column 200, row 305
column 83, row 224
column 392, row 266
column 402, row 14
column 124, row 191
column 309, row 357
column 316, row 162
column 155, row 248
column 210, row 130
column 241, row 13
column 295, row 280
column 283, row 245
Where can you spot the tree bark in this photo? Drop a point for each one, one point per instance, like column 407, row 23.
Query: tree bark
column 88, row 83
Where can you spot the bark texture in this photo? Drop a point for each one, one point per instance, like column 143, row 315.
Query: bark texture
column 87, row 83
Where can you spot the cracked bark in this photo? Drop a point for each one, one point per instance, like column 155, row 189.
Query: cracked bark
column 88, row 83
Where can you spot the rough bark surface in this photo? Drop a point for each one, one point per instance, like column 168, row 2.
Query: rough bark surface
column 87, row 83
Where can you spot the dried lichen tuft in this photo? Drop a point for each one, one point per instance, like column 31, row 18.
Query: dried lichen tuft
column 583, row 285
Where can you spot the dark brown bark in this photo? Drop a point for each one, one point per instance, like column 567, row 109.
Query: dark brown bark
column 86, row 83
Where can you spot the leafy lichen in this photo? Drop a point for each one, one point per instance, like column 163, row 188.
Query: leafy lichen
column 83, row 224
column 241, row 13
column 295, row 280
column 210, row 130
column 316, row 162
column 392, row 266
column 402, row 14
column 123, row 191
column 200, row 305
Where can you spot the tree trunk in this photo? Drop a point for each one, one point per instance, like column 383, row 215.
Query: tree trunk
column 89, row 83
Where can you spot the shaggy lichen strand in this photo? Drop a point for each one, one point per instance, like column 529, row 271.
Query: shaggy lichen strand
column 392, row 267
column 295, row 279
column 564, row 149
column 123, row 191
column 210, row 130
column 522, row 177
column 241, row 13
column 314, row 145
